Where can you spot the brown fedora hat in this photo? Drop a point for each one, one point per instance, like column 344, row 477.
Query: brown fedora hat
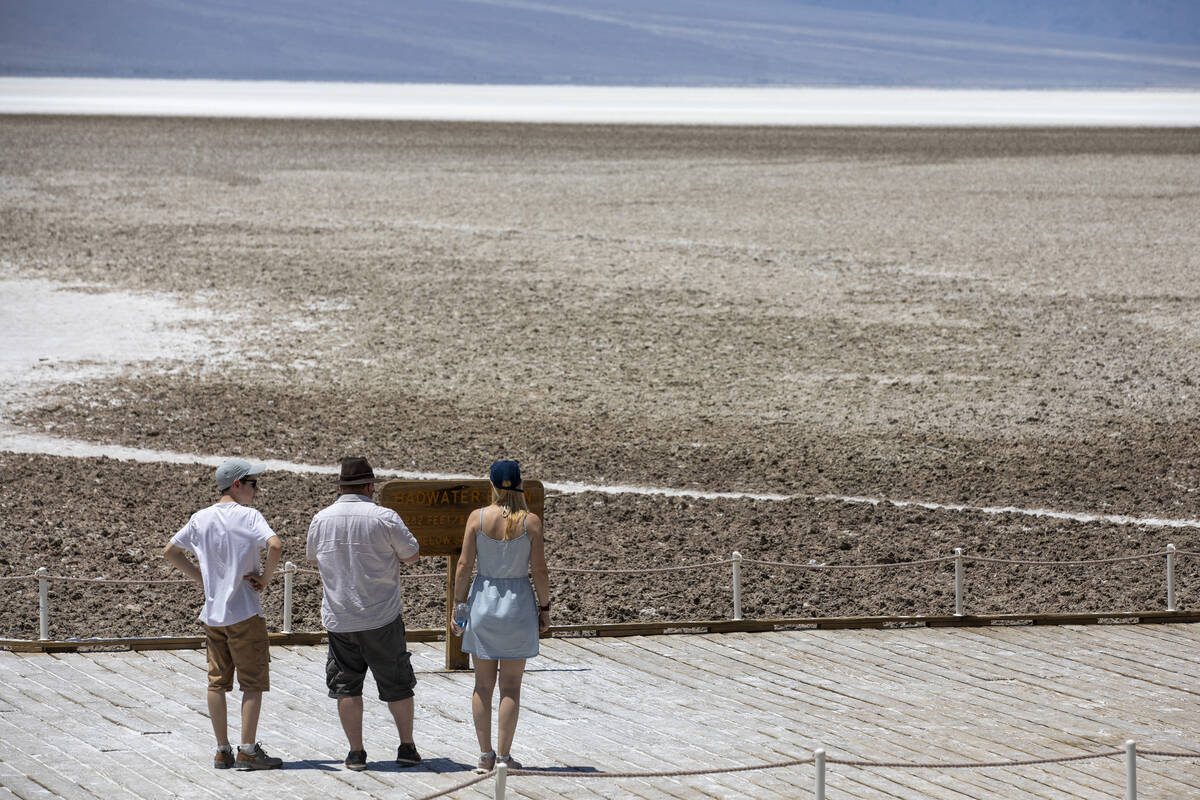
column 355, row 472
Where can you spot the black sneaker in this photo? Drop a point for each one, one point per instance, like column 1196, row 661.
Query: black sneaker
column 407, row 755
column 356, row 760
column 256, row 759
column 223, row 759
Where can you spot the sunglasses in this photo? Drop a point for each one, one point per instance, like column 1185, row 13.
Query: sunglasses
column 252, row 482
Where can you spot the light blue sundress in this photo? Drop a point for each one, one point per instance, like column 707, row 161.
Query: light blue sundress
column 504, row 618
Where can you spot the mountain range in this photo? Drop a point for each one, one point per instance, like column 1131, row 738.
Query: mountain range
column 997, row 44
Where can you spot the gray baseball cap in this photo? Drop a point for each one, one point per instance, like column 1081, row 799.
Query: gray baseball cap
column 234, row 469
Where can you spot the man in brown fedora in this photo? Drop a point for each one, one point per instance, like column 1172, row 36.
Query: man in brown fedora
column 358, row 547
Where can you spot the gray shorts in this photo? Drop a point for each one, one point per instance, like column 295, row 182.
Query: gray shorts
column 382, row 650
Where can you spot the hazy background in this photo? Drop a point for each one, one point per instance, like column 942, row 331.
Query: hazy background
column 930, row 43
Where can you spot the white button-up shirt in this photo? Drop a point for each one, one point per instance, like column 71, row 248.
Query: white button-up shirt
column 358, row 547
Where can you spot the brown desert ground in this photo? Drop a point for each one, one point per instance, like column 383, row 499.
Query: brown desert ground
column 981, row 317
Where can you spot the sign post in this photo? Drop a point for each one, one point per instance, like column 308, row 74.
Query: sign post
column 436, row 512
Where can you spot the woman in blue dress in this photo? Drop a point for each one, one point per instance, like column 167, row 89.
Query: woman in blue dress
column 503, row 617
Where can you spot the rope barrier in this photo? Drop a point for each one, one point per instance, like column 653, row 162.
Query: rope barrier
column 847, row 566
column 884, row 565
column 648, row 569
column 72, row 579
column 457, row 787
column 290, row 570
column 702, row 565
column 1086, row 562
column 848, row 762
column 677, row 773
column 852, row 762
column 968, row 764
column 116, row 580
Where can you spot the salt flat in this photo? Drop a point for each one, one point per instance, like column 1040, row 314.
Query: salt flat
column 132, row 724
column 674, row 105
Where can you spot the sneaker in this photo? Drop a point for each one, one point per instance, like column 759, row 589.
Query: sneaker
column 487, row 763
column 223, row 759
column 407, row 755
column 509, row 762
column 356, row 760
column 257, row 759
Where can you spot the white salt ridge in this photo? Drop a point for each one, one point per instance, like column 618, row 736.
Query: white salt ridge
column 1074, row 516
column 599, row 104
column 15, row 441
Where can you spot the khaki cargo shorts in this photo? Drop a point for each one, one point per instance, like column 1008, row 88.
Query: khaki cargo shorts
column 242, row 646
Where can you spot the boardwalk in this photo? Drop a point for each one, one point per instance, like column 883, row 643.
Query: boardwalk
column 132, row 724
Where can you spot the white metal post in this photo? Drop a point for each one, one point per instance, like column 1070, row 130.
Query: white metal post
column 1130, row 770
column 737, row 585
column 958, row 582
column 819, row 762
column 289, row 569
column 43, row 603
column 501, row 778
column 1170, row 577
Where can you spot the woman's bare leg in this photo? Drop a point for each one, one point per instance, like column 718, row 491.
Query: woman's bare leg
column 481, row 701
column 511, row 673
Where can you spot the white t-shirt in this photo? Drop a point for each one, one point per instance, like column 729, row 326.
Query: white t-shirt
column 227, row 539
column 358, row 547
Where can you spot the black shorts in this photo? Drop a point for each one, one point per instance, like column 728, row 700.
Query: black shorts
column 382, row 650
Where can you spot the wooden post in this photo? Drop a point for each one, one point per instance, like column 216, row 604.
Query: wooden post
column 455, row 657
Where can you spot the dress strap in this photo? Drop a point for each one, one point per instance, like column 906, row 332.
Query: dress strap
column 481, row 522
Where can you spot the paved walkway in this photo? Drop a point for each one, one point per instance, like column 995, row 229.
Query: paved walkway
column 132, row 724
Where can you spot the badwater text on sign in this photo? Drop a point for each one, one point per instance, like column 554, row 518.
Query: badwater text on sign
column 455, row 496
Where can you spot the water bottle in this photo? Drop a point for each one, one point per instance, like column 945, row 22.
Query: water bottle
column 462, row 613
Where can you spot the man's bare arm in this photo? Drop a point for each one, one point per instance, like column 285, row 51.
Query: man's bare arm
column 274, row 553
column 178, row 557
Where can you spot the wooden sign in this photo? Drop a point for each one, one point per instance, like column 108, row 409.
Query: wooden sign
column 436, row 511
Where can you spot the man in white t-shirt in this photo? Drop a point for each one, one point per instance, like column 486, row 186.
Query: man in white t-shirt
column 358, row 547
column 227, row 539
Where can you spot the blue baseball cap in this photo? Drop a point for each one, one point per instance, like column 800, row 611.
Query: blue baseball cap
column 506, row 475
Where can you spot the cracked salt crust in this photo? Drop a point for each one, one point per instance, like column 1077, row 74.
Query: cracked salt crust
column 54, row 333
